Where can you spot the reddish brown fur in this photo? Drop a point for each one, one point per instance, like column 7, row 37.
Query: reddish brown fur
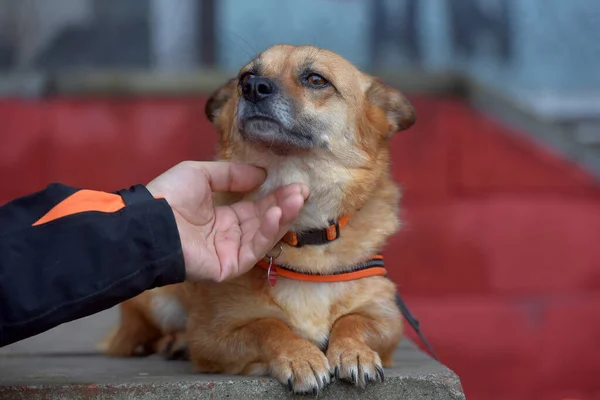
column 299, row 332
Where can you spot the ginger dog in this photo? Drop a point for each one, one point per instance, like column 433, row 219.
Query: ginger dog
column 318, row 306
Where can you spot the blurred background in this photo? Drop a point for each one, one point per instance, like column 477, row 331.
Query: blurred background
column 500, row 255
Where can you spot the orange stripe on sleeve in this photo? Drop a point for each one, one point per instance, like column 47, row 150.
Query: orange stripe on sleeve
column 83, row 201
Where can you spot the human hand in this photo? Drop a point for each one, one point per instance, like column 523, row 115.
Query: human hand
column 226, row 241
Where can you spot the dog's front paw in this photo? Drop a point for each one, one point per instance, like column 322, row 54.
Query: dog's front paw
column 302, row 367
column 173, row 346
column 355, row 362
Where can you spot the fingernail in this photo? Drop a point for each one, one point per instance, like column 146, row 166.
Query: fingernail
column 305, row 190
column 291, row 199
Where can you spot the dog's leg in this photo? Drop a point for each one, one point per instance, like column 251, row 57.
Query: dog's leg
column 362, row 343
column 266, row 345
column 173, row 346
column 135, row 335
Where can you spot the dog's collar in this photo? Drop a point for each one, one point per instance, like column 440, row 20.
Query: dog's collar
column 317, row 236
column 372, row 267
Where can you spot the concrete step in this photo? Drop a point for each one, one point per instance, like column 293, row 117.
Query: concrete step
column 64, row 364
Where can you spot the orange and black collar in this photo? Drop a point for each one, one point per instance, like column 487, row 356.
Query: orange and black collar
column 317, row 236
column 372, row 267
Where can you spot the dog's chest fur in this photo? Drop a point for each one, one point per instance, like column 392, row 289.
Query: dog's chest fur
column 309, row 307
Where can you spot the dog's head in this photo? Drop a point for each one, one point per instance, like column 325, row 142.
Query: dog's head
column 308, row 115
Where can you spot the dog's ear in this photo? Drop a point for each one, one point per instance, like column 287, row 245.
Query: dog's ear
column 218, row 99
column 399, row 112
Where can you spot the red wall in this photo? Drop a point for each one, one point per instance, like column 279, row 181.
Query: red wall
column 498, row 258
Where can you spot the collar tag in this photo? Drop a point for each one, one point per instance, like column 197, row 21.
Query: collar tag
column 272, row 273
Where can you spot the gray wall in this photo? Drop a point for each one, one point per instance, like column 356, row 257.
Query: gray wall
column 522, row 46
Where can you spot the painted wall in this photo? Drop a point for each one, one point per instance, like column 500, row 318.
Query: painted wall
column 499, row 256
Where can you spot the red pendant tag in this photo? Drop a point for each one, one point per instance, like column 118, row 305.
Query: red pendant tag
column 272, row 273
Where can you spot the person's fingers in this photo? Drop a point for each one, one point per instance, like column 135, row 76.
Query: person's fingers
column 230, row 177
column 290, row 209
column 304, row 191
column 227, row 246
column 249, row 211
column 280, row 195
column 272, row 228
column 262, row 241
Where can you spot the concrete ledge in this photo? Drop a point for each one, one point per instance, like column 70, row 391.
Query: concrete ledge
column 95, row 377
column 62, row 364
column 149, row 82
column 143, row 82
column 23, row 85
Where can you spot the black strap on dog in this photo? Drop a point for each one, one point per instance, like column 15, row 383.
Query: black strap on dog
column 414, row 323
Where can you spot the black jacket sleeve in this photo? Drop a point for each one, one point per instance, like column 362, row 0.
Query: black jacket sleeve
column 62, row 259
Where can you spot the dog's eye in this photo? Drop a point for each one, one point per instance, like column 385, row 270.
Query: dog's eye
column 245, row 77
column 316, row 80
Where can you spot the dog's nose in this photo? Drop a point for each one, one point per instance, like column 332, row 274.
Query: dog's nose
column 257, row 88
